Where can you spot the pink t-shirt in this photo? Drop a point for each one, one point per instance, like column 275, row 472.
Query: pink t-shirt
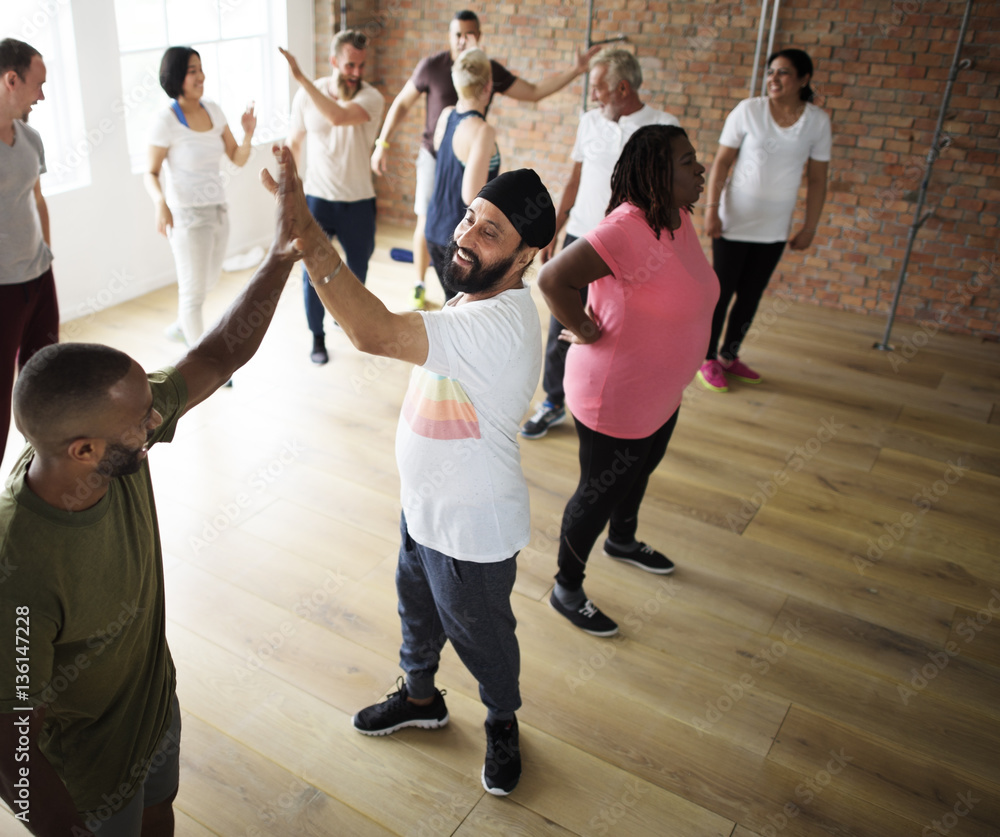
column 655, row 313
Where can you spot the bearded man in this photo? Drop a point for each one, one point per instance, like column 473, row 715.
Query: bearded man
column 338, row 118
column 464, row 497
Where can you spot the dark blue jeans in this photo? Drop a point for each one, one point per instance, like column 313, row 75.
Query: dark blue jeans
column 440, row 599
column 353, row 223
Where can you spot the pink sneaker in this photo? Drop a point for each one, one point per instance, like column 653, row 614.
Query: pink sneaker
column 712, row 376
column 740, row 371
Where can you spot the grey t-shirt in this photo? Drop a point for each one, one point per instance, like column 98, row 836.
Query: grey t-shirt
column 24, row 255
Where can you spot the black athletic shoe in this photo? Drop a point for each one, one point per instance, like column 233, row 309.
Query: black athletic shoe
column 547, row 415
column 641, row 555
column 587, row 617
column 396, row 712
column 319, row 354
column 502, row 768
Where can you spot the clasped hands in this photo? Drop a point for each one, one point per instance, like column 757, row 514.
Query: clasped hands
column 296, row 234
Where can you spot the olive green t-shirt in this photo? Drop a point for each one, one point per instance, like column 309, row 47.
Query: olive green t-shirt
column 91, row 585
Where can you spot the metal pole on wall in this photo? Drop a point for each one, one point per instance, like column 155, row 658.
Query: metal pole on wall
column 590, row 43
column 932, row 155
column 760, row 40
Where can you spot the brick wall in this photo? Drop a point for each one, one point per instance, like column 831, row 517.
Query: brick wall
column 881, row 71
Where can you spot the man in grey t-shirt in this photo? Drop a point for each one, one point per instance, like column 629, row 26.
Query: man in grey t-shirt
column 29, row 313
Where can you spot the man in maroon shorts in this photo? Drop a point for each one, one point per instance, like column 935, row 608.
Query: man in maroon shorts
column 29, row 313
column 433, row 77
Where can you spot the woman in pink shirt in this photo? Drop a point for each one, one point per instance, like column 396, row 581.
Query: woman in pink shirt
column 637, row 345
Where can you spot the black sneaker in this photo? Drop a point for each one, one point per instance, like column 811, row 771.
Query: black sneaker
column 641, row 555
column 396, row 712
column 546, row 416
column 502, row 768
column 319, row 354
column 587, row 618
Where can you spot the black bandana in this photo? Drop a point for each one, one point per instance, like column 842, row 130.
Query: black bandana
column 522, row 197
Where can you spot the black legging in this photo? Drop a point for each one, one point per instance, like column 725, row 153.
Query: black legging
column 613, row 478
column 744, row 268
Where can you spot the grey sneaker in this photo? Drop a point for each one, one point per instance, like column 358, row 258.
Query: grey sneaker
column 546, row 416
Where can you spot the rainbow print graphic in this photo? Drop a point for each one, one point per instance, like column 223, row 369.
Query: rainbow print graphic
column 438, row 408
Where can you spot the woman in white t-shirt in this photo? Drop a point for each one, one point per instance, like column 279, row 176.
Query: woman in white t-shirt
column 191, row 134
column 763, row 147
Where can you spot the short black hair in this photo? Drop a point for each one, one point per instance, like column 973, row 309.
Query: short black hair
column 644, row 174
column 467, row 15
column 173, row 69
column 16, row 55
column 803, row 67
column 64, row 381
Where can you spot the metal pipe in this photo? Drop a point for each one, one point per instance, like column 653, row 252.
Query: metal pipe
column 932, row 155
column 760, row 39
column 770, row 43
column 590, row 31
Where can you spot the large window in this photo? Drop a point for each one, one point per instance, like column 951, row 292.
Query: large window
column 48, row 27
column 238, row 43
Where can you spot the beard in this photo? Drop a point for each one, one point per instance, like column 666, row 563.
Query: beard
column 475, row 279
column 121, row 461
column 347, row 91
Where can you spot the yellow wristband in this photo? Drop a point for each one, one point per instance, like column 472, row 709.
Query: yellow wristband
column 381, row 143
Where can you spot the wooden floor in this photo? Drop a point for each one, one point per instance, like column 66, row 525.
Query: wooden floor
column 825, row 661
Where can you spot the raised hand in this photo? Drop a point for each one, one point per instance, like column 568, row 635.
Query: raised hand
column 248, row 121
column 293, row 65
column 292, row 217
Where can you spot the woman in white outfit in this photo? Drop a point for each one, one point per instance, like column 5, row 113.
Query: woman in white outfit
column 191, row 135
column 752, row 191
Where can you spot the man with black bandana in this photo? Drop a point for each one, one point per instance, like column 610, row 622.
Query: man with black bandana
column 465, row 501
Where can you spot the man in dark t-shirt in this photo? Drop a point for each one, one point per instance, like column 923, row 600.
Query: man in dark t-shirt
column 432, row 77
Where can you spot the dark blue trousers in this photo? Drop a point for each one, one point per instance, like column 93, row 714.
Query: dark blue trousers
column 353, row 223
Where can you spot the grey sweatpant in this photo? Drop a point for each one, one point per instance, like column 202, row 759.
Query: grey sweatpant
column 441, row 598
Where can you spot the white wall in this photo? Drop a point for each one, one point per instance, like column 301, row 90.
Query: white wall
column 103, row 236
